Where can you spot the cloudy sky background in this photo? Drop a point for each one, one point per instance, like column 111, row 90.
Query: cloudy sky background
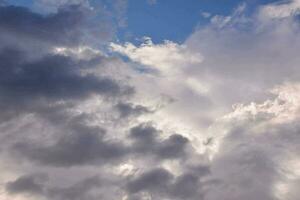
column 149, row 100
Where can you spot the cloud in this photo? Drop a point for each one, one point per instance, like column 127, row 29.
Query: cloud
column 45, row 62
column 48, row 74
column 31, row 184
column 236, row 17
column 50, row 71
column 252, row 149
column 213, row 118
column 146, row 141
column 48, row 80
column 128, row 109
column 54, row 5
column 161, row 183
column 250, row 53
column 70, row 25
column 255, row 154
column 156, row 179
column 36, row 184
column 81, row 147
column 164, row 57
column 79, row 190
column 86, row 145
column 280, row 10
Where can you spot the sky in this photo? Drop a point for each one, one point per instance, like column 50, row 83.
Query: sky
column 149, row 100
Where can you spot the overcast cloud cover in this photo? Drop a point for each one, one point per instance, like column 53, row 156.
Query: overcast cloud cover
column 86, row 115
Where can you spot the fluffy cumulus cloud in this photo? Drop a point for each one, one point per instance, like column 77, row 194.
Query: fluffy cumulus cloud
column 216, row 117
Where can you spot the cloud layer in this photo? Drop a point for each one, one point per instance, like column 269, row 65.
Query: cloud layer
column 213, row 118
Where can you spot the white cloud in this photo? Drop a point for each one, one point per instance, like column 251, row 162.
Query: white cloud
column 53, row 5
column 280, row 10
column 236, row 17
column 283, row 109
column 206, row 14
column 259, row 138
column 81, row 52
column 166, row 57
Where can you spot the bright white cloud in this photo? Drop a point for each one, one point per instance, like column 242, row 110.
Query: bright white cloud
column 81, row 52
column 283, row 109
column 166, row 57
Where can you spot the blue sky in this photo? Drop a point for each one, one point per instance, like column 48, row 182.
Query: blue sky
column 176, row 19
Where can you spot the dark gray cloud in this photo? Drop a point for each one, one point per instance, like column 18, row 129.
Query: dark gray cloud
column 53, row 77
column 129, row 109
column 160, row 183
column 146, row 141
column 156, row 182
column 32, row 85
column 187, row 186
column 156, row 179
column 82, row 145
column 172, row 147
column 38, row 185
column 78, row 191
column 86, row 145
column 70, row 25
column 30, row 184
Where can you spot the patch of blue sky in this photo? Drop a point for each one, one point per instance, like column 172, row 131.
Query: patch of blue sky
column 175, row 20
